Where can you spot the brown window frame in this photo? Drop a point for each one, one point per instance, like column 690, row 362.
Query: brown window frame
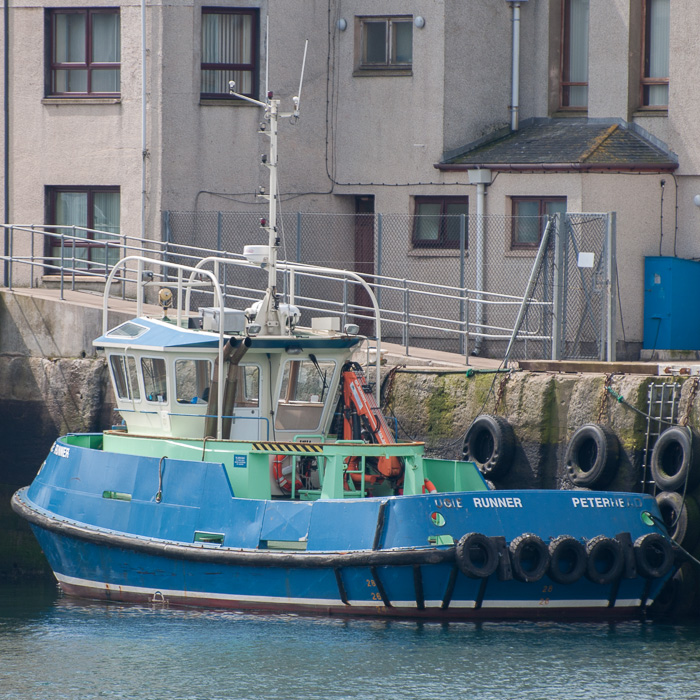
column 253, row 67
column 542, row 212
column 645, row 81
column 564, row 68
column 442, row 241
column 88, row 65
column 390, row 65
column 89, row 242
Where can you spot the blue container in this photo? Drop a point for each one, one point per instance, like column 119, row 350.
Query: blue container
column 671, row 292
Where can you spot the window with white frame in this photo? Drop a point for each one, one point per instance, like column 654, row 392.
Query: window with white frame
column 574, row 55
column 657, row 30
column 385, row 43
column 229, row 51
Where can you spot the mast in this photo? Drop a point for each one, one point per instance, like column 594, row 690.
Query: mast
column 268, row 316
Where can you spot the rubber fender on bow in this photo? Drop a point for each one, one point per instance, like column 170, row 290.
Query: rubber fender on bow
column 567, row 559
column 606, row 560
column 675, row 459
column 529, row 557
column 654, row 555
column 592, row 455
column 682, row 518
column 490, row 443
column 477, row 555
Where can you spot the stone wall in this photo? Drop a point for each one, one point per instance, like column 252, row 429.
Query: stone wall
column 51, row 383
column 544, row 409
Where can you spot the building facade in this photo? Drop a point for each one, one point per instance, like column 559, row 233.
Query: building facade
column 116, row 114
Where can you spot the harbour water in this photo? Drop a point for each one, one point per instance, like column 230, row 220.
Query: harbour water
column 65, row 649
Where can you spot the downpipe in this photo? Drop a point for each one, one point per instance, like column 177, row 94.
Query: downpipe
column 481, row 178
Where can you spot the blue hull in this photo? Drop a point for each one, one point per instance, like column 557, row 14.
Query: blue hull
column 201, row 545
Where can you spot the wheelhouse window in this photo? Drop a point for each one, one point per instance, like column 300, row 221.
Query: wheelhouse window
column 385, row 43
column 192, row 381
column 85, row 52
column 438, row 221
column 154, row 379
column 125, row 377
column 229, row 51
column 529, row 219
column 86, row 223
column 303, row 393
column 574, row 54
column 657, row 31
column 248, row 389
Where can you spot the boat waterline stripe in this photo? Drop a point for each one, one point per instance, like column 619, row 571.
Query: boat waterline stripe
column 193, row 595
column 462, row 604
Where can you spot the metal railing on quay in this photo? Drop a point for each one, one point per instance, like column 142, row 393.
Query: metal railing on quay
column 413, row 310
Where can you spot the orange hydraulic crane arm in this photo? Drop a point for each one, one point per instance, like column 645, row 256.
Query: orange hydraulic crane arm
column 363, row 419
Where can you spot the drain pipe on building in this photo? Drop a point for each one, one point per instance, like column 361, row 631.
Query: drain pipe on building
column 515, row 76
column 481, row 178
column 6, row 138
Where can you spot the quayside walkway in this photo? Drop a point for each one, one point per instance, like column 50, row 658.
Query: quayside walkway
column 121, row 309
column 394, row 354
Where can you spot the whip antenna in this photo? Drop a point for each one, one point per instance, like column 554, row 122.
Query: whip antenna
column 267, row 54
column 297, row 98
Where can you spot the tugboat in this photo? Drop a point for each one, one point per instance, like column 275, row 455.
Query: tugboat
column 253, row 469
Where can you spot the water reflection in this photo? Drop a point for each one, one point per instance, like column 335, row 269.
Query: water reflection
column 57, row 647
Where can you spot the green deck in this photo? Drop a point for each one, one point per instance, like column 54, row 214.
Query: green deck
column 247, row 464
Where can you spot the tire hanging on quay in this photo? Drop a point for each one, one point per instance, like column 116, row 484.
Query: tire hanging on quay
column 592, row 456
column 490, row 443
column 675, row 459
column 681, row 517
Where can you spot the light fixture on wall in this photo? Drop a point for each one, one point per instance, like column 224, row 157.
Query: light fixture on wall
column 419, row 22
column 342, row 24
column 696, row 200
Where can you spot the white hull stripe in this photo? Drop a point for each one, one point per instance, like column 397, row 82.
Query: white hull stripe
column 462, row 604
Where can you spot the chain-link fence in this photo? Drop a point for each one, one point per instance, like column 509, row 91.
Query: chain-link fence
column 585, row 261
column 462, row 297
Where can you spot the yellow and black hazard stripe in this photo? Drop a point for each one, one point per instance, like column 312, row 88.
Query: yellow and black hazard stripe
column 290, row 447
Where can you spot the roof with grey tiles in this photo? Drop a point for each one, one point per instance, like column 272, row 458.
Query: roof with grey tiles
column 565, row 144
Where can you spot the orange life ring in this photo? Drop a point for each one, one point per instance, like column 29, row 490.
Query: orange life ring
column 283, row 474
column 429, row 486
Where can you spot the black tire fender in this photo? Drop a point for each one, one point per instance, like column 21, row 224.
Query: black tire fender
column 654, row 555
column 592, row 455
column 606, row 560
column 681, row 517
column 675, row 459
column 567, row 559
column 529, row 558
column 476, row 555
column 490, row 443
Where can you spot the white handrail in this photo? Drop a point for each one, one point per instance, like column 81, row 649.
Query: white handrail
column 139, row 305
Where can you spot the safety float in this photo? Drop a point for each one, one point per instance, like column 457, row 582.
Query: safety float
column 253, row 469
